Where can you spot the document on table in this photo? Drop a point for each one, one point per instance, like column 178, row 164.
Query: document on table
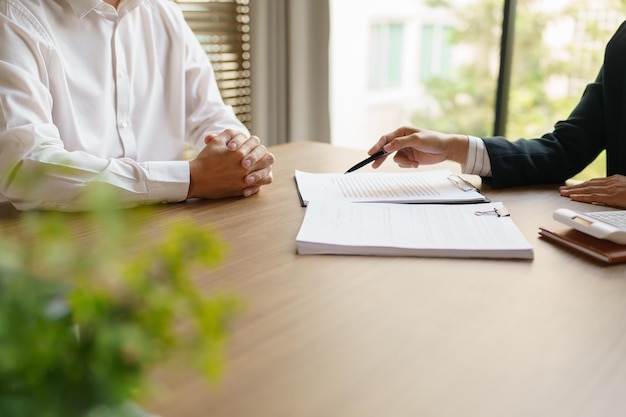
column 431, row 230
column 438, row 186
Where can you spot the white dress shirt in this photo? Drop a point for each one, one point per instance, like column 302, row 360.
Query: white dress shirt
column 91, row 94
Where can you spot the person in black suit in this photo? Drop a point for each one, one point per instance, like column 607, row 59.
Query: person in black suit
column 597, row 123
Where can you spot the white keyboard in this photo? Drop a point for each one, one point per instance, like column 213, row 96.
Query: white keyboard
column 616, row 218
column 609, row 225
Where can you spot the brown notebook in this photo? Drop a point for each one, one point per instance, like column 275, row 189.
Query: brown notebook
column 600, row 249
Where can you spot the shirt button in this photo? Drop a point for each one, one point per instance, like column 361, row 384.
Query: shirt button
column 124, row 124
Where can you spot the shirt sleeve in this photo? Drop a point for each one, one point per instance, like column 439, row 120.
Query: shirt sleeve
column 207, row 112
column 39, row 173
column 478, row 162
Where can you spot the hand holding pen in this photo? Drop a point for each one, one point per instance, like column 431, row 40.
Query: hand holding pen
column 415, row 146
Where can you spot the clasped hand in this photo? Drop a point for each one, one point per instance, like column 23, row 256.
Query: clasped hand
column 230, row 165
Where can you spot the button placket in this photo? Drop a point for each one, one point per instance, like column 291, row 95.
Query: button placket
column 123, row 98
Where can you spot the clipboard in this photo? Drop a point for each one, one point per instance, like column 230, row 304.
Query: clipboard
column 417, row 187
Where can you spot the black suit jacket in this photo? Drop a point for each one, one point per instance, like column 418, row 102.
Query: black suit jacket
column 598, row 122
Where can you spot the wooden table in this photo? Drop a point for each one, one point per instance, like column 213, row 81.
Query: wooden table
column 374, row 336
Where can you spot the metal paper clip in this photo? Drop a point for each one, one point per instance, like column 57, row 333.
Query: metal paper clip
column 500, row 212
column 461, row 182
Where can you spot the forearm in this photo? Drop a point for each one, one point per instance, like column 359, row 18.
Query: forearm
column 547, row 160
column 40, row 174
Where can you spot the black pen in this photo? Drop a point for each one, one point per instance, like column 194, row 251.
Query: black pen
column 364, row 162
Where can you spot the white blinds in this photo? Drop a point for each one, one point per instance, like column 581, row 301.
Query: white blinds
column 223, row 29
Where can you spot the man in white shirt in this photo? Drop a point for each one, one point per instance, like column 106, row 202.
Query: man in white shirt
column 108, row 92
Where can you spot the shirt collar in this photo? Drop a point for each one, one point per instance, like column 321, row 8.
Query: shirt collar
column 82, row 7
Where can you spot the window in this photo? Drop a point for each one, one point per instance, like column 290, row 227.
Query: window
column 412, row 62
column 385, row 66
column 223, row 29
column 435, row 51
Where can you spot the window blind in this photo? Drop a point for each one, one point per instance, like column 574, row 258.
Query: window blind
column 223, row 29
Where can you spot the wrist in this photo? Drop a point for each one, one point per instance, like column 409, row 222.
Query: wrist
column 459, row 145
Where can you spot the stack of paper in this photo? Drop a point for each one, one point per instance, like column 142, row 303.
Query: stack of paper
column 457, row 230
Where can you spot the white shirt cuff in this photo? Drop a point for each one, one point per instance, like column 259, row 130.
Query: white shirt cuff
column 168, row 181
column 477, row 162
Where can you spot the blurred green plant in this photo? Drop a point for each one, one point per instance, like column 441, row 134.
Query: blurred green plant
column 85, row 313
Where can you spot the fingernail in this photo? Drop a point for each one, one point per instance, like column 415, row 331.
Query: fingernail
column 232, row 146
column 250, row 179
column 247, row 163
